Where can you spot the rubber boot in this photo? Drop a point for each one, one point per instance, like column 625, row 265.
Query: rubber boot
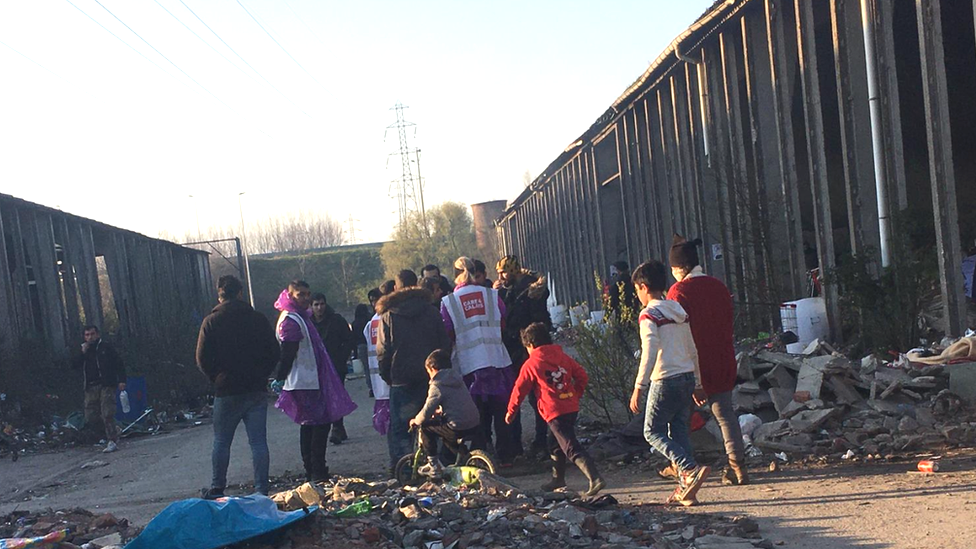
column 740, row 472
column 338, row 433
column 588, row 467
column 558, row 474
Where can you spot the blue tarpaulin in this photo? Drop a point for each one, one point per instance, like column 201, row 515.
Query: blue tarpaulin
column 203, row 524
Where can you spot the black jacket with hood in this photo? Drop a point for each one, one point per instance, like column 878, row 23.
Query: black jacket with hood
column 410, row 329
column 237, row 349
column 525, row 303
column 338, row 339
column 104, row 362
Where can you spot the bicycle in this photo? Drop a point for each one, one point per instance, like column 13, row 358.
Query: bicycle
column 406, row 471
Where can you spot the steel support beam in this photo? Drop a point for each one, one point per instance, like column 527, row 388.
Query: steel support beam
column 939, row 134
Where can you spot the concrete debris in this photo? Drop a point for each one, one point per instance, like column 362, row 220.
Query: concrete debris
column 85, row 529
column 823, row 404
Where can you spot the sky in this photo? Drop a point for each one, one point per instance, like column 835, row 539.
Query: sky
column 150, row 114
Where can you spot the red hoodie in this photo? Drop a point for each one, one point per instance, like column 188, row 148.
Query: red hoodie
column 558, row 380
column 709, row 306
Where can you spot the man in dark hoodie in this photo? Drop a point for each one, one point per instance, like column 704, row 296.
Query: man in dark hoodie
column 525, row 294
column 410, row 329
column 104, row 372
column 237, row 350
column 339, row 342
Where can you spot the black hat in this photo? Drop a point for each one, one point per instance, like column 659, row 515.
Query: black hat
column 684, row 254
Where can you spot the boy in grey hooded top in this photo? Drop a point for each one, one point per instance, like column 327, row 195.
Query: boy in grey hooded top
column 449, row 412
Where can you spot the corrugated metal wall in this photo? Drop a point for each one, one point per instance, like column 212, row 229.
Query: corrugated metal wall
column 754, row 132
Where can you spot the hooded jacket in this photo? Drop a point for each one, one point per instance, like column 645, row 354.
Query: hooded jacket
column 448, row 391
column 709, row 306
column 100, row 365
column 556, row 379
column 525, row 303
column 667, row 347
column 236, row 349
column 410, row 329
column 337, row 337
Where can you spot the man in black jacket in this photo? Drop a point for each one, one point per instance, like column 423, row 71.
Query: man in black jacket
column 237, row 350
column 104, row 373
column 410, row 329
column 525, row 294
column 339, row 342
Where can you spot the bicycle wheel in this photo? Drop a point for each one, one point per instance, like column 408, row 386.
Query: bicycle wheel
column 404, row 471
column 480, row 460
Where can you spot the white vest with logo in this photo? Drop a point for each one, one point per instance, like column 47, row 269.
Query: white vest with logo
column 478, row 329
column 304, row 375
column 381, row 391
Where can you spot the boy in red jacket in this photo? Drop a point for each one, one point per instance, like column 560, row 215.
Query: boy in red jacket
column 709, row 307
column 559, row 381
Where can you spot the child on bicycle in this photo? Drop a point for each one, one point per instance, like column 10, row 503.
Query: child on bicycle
column 449, row 412
column 559, row 382
column 669, row 376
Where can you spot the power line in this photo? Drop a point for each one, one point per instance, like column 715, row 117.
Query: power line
column 218, row 52
column 276, row 42
column 31, row 60
column 302, row 21
column 242, row 59
column 170, row 62
column 97, row 22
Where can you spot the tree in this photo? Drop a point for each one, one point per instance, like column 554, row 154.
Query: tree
column 451, row 234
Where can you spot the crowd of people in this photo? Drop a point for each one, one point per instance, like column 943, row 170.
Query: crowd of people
column 456, row 359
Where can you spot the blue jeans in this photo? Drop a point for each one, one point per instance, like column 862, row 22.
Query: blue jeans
column 228, row 412
column 667, row 419
column 405, row 403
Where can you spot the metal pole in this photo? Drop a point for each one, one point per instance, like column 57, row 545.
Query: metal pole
column 247, row 265
column 420, row 191
column 874, row 100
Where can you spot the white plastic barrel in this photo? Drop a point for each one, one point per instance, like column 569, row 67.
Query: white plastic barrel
column 807, row 318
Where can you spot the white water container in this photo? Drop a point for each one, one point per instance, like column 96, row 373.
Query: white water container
column 578, row 314
column 807, row 318
column 559, row 315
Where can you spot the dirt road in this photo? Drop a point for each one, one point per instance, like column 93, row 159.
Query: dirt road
column 879, row 507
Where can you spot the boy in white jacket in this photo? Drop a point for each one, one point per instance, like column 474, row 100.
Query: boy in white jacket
column 669, row 374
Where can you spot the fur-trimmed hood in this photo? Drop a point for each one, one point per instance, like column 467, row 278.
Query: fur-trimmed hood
column 532, row 284
column 408, row 302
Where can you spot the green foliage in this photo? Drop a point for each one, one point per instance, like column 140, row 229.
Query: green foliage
column 881, row 310
column 606, row 350
column 343, row 275
column 446, row 234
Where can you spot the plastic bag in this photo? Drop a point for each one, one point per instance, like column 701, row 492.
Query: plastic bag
column 381, row 416
column 357, row 509
column 748, row 423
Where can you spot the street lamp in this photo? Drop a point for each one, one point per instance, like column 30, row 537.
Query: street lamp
column 247, row 265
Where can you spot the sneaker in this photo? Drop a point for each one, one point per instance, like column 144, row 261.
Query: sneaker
column 675, row 499
column 668, row 472
column 691, row 482
column 430, row 469
column 110, row 447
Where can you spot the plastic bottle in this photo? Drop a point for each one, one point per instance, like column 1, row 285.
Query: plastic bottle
column 124, row 399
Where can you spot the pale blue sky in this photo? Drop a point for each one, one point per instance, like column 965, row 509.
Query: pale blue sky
column 89, row 125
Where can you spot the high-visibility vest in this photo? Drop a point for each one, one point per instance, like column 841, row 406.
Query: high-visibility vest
column 304, row 375
column 477, row 328
column 381, row 391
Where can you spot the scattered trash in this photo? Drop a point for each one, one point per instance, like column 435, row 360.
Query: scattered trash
column 94, row 464
column 43, row 541
column 848, row 455
column 357, row 509
column 928, row 466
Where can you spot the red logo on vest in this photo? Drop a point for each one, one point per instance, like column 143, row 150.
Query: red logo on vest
column 473, row 305
column 373, row 325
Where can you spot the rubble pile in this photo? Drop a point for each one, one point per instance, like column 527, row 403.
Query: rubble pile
column 824, row 404
column 83, row 528
column 489, row 512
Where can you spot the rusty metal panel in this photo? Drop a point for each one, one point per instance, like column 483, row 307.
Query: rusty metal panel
column 807, row 53
column 939, row 138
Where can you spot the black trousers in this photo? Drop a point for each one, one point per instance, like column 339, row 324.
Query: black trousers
column 434, row 430
column 315, row 441
column 562, row 441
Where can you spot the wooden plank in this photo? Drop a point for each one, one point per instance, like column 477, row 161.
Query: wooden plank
column 87, row 272
column 722, row 166
column 739, row 182
column 8, row 327
column 69, row 284
column 698, row 163
column 597, row 210
column 20, row 286
column 855, row 125
column 786, row 153
column 686, row 159
column 882, row 13
column 43, row 260
column 807, row 53
column 672, row 160
column 662, row 181
column 654, row 176
column 943, row 179
column 651, row 238
column 771, row 262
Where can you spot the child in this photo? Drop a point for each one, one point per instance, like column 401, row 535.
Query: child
column 709, row 306
column 559, row 381
column 456, row 418
column 670, row 362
